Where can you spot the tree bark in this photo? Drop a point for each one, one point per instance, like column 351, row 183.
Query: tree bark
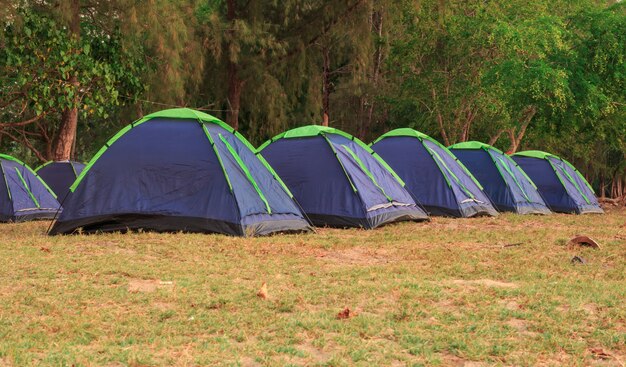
column 442, row 128
column 326, row 86
column 516, row 140
column 62, row 150
column 494, row 138
column 377, row 24
column 66, row 135
column 235, row 86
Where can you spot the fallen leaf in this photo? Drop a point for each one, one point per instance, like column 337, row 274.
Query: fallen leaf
column 263, row 291
column 600, row 353
column 584, row 241
column 44, row 249
column 345, row 314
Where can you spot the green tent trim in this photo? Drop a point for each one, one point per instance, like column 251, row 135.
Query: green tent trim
column 43, row 165
column 544, row 155
column 508, row 170
column 10, row 158
column 181, row 114
column 367, row 172
column 332, row 147
column 219, row 158
column 478, row 145
column 30, row 193
column 408, row 132
column 315, row 130
column 246, row 171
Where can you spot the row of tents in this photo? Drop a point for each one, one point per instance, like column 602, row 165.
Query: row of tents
column 184, row 170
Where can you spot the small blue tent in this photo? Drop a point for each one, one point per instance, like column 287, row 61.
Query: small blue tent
column 24, row 195
column 506, row 184
column 338, row 180
column 563, row 188
column 60, row 175
column 433, row 175
column 179, row 170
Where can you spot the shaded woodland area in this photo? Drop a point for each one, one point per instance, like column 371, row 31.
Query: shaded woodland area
column 545, row 74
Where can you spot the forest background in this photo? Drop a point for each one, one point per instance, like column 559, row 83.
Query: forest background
column 540, row 74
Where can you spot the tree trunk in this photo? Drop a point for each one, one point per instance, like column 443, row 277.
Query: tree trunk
column 377, row 24
column 66, row 135
column 516, row 140
column 235, row 86
column 62, row 150
column 326, row 86
column 494, row 138
column 442, row 128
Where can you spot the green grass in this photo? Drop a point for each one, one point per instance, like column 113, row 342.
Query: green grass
column 441, row 293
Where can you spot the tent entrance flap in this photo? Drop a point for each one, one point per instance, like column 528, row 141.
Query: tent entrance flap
column 558, row 169
column 501, row 164
column 443, row 166
column 365, row 170
column 246, row 171
column 332, row 147
column 30, row 193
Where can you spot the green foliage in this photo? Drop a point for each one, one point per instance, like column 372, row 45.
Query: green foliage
column 39, row 61
column 546, row 75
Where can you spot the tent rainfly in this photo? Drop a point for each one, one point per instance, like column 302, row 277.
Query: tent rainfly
column 26, row 195
column 506, row 184
column 338, row 180
column 563, row 188
column 179, row 170
column 433, row 175
column 60, row 175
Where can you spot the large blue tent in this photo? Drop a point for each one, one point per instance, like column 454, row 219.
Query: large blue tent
column 24, row 195
column 506, row 184
column 60, row 175
column 433, row 175
column 179, row 170
column 338, row 180
column 563, row 188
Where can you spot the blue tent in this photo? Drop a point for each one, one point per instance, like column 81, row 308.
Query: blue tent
column 433, row 175
column 506, row 184
column 24, row 195
column 563, row 188
column 179, row 170
column 338, row 180
column 60, row 175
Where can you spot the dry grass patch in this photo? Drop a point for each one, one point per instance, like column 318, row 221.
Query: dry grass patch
column 448, row 292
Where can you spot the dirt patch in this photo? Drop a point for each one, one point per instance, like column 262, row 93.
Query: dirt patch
column 511, row 305
column 358, row 256
column 521, row 326
column 484, row 282
column 148, row 285
column 163, row 306
column 455, row 361
column 316, row 354
column 249, row 362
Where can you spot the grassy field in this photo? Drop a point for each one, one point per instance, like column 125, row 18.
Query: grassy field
column 471, row 292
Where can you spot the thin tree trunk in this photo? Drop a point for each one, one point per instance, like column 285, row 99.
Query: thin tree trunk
column 235, row 84
column 326, row 86
column 66, row 135
column 494, row 138
column 516, row 140
column 377, row 24
column 442, row 129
